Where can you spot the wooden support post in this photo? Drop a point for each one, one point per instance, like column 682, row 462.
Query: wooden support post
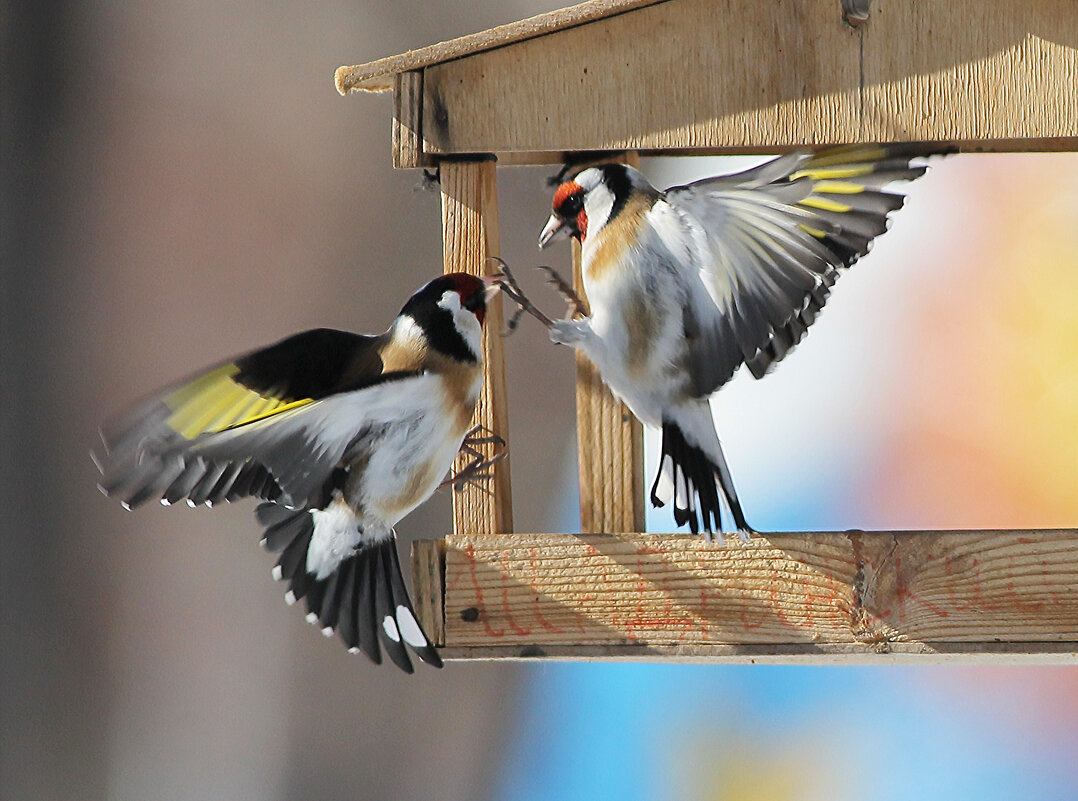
column 408, row 119
column 925, row 596
column 469, row 239
column 610, row 443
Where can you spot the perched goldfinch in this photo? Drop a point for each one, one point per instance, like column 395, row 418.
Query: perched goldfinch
column 686, row 285
column 340, row 434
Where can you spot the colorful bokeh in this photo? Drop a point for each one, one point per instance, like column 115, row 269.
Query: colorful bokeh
column 938, row 390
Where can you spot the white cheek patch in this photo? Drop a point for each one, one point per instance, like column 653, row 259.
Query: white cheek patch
column 413, row 635
column 464, row 321
column 598, row 206
column 450, row 301
column 390, row 626
column 407, row 329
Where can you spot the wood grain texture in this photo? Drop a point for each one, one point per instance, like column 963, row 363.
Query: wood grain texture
column 377, row 76
column 408, row 120
column 710, row 76
column 825, row 595
column 469, row 239
column 610, row 442
column 428, row 566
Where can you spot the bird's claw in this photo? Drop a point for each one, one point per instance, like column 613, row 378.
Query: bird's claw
column 511, row 289
column 479, row 468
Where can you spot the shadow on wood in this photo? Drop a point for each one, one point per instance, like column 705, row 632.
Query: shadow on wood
column 790, row 596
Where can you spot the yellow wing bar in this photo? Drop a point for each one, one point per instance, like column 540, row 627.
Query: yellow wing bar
column 215, row 401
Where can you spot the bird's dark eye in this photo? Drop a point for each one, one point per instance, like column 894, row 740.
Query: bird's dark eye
column 571, row 205
column 474, row 301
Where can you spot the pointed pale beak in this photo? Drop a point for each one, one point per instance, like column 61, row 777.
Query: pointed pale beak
column 556, row 228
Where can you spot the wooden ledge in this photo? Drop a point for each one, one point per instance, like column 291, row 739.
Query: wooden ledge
column 809, row 598
column 377, row 76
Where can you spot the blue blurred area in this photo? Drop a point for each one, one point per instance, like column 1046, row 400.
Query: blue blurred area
column 910, row 405
column 650, row 731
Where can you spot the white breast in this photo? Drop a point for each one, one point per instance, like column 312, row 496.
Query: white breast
column 637, row 318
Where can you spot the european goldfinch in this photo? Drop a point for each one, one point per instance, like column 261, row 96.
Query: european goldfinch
column 686, row 285
column 340, row 434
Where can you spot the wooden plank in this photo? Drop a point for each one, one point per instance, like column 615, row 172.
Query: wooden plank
column 469, row 240
column 408, row 120
column 610, row 442
column 809, row 597
column 711, row 76
column 899, row 653
column 428, row 567
column 377, row 76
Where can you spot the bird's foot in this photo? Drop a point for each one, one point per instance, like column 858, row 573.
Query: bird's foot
column 480, row 466
column 567, row 332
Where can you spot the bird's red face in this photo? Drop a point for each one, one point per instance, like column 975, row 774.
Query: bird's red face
column 474, row 292
column 568, row 206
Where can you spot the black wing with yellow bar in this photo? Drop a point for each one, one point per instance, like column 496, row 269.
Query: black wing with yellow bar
column 155, row 448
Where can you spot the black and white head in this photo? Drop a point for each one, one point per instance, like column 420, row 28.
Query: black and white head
column 591, row 199
column 449, row 311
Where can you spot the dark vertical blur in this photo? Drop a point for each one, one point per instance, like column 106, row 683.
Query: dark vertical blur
column 54, row 704
column 181, row 183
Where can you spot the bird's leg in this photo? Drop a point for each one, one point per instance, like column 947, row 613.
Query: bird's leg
column 562, row 332
column 512, row 290
column 577, row 307
column 479, row 466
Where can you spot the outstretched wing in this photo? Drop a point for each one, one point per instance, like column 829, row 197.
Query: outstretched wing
column 776, row 237
column 272, row 424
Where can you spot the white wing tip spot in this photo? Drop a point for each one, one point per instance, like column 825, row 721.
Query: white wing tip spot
column 390, row 626
column 166, row 502
column 312, row 617
column 277, row 573
column 327, row 631
column 409, row 628
column 290, row 597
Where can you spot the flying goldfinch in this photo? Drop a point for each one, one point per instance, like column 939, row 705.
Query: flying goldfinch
column 341, row 435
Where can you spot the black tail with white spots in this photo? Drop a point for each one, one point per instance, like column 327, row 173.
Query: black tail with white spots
column 364, row 600
column 689, row 477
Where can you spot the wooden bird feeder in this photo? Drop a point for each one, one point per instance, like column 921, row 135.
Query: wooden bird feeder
column 717, row 77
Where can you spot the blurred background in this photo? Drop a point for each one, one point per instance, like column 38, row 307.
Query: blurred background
column 181, row 183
